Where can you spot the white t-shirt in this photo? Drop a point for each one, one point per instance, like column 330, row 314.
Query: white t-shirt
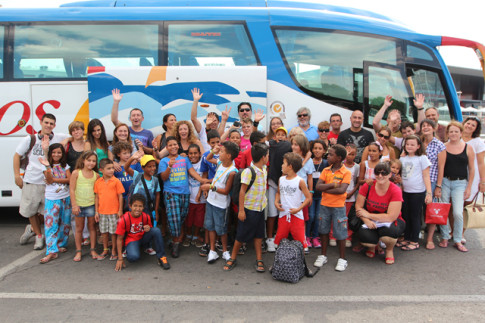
column 290, row 196
column 355, row 171
column 478, row 146
column 412, row 173
column 34, row 174
column 219, row 181
column 203, row 139
column 56, row 191
column 194, row 185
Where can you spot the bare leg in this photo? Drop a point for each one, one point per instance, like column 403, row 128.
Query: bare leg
column 35, row 223
column 92, row 235
column 341, row 248
column 270, row 227
column 224, row 242
column 324, row 240
column 212, row 240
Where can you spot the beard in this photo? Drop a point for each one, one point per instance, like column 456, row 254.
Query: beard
column 303, row 123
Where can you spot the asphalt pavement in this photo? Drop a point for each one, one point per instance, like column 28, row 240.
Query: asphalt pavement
column 442, row 285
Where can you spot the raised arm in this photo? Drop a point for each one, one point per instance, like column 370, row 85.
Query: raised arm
column 193, row 114
column 224, row 118
column 419, row 103
column 376, row 123
column 117, row 96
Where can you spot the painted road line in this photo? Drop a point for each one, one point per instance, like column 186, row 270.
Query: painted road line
column 252, row 298
column 19, row 262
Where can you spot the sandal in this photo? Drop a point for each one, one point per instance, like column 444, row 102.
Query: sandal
column 389, row 260
column 113, row 258
column 460, row 247
column 410, row 246
column 402, row 243
column 358, row 248
column 370, row 253
column 95, row 256
column 230, row 264
column 430, row 245
column 103, row 255
column 48, row 258
column 62, row 249
column 78, row 256
column 443, row 244
column 260, row 266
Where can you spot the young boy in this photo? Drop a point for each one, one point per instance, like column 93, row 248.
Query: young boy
column 122, row 151
column 246, row 156
column 252, row 203
column 354, row 169
column 218, row 200
column 136, row 230
column 288, row 200
column 333, row 184
column 108, row 205
column 280, row 134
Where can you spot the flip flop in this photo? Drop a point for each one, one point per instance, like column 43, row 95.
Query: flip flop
column 443, row 244
column 410, row 247
column 370, row 254
column 260, row 266
column 430, row 245
column 78, row 258
column 460, row 247
column 46, row 259
column 113, row 258
column 402, row 243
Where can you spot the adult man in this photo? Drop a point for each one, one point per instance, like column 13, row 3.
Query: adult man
column 244, row 110
column 32, row 184
column 335, row 123
column 136, row 118
column 356, row 134
column 304, row 115
column 433, row 114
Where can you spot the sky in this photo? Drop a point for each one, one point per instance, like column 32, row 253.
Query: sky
column 446, row 18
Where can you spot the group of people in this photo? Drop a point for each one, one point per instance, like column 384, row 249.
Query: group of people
column 215, row 186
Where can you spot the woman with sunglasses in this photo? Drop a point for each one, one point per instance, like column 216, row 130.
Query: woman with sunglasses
column 323, row 131
column 379, row 207
column 383, row 139
column 432, row 146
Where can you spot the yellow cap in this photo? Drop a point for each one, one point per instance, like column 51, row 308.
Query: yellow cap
column 145, row 159
column 282, row 128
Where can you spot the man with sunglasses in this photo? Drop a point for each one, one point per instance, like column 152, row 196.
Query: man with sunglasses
column 244, row 110
column 356, row 135
column 304, row 115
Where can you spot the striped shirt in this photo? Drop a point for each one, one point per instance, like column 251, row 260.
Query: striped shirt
column 255, row 199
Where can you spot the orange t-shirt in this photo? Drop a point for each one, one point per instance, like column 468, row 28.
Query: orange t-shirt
column 108, row 194
column 341, row 176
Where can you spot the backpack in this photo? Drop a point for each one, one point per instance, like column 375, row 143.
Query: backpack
column 24, row 160
column 128, row 226
column 236, row 185
column 137, row 180
column 289, row 262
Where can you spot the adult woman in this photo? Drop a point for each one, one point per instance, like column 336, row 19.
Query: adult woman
column 383, row 137
column 274, row 124
column 323, row 131
column 96, row 140
column 169, row 121
column 433, row 146
column 380, row 212
column 471, row 135
column 184, row 133
column 74, row 145
column 455, row 181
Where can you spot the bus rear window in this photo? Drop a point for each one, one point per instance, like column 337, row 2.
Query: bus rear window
column 65, row 51
column 209, row 45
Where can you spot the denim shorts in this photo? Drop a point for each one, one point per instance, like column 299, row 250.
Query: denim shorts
column 215, row 219
column 335, row 216
column 86, row 212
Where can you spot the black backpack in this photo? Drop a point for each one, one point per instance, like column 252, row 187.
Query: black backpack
column 236, row 185
column 289, row 262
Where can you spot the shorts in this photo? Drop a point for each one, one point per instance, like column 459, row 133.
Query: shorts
column 272, row 211
column 108, row 223
column 32, row 200
column 338, row 217
column 196, row 215
column 86, row 211
column 252, row 228
column 215, row 219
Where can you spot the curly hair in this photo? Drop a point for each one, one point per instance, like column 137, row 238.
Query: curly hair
column 191, row 137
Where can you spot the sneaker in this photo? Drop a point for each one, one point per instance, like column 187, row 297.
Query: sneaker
column 39, row 242
column 309, row 242
column 27, row 235
column 341, row 264
column 226, row 255
column 212, row 257
column 348, row 243
column 271, row 246
column 163, row 262
column 204, row 250
column 186, row 242
column 150, row 251
column 219, row 246
column 197, row 243
column 175, row 250
column 321, row 260
column 306, row 251
column 333, row 243
column 316, row 243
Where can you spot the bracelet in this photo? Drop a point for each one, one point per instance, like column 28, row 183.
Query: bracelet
column 312, row 192
column 420, row 109
column 256, row 123
column 438, row 186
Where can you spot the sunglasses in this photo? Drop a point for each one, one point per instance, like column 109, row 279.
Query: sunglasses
column 245, row 110
column 383, row 136
column 303, row 115
column 323, row 130
column 382, row 173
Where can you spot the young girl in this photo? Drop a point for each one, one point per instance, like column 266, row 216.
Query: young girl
column 318, row 148
column 57, row 212
column 374, row 151
column 383, row 137
column 353, row 187
column 396, row 168
column 247, row 128
column 416, row 190
column 174, row 171
column 300, row 146
column 96, row 140
column 195, row 217
column 81, row 187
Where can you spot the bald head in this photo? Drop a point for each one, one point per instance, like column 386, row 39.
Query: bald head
column 356, row 120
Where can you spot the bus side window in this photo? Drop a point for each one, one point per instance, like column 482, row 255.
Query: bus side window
column 2, row 31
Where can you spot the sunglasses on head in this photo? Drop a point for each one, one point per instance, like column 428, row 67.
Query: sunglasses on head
column 245, row 110
column 323, row 130
column 381, row 172
column 303, row 115
column 383, row 136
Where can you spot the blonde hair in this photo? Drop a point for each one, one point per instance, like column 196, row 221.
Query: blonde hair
column 296, row 131
column 324, row 124
column 75, row 125
column 454, row 124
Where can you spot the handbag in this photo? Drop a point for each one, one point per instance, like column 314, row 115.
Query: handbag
column 354, row 222
column 474, row 214
column 437, row 213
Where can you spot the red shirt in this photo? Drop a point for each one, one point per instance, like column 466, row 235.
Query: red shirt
column 246, row 158
column 331, row 135
column 133, row 225
column 379, row 204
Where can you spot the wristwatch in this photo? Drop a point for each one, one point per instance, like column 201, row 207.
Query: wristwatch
column 213, row 188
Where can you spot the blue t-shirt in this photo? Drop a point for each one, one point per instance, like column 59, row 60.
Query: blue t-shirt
column 140, row 189
column 125, row 178
column 206, row 166
column 178, row 181
column 306, row 170
column 145, row 136
column 311, row 133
